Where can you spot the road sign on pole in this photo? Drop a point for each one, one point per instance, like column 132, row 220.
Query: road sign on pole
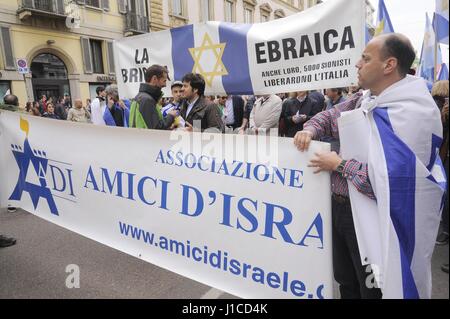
column 22, row 66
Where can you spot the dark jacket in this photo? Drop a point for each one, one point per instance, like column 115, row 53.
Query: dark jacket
column 440, row 102
column 291, row 106
column 238, row 111
column 318, row 98
column 249, row 107
column 207, row 113
column 148, row 98
column 60, row 110
column 51, row 116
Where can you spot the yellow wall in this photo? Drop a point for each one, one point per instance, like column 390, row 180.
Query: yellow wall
column 84, row 92
column 26, row 39
column 8, row 4
column 18, row 88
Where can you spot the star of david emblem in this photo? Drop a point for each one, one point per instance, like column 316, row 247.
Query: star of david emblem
column 38, row 159
column 219, row 68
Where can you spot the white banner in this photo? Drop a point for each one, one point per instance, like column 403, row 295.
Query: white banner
column 314, row 49
column 256, row 224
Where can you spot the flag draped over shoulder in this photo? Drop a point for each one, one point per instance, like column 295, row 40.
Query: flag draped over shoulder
column 397, row 232
column 384, row 24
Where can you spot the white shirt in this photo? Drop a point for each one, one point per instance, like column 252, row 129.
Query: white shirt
column 97, row 110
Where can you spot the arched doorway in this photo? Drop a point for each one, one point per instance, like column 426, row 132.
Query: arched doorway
column 49, row 76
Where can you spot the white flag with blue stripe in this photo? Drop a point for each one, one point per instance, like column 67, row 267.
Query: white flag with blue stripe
column 397, row 232
column 313, row 49
column 441, row 21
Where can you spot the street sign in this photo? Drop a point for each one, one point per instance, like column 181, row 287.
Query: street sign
column 22, row 66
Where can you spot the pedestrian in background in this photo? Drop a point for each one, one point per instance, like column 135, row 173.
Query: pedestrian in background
column 78, row 113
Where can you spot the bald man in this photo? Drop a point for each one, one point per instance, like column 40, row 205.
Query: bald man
column 382, row 70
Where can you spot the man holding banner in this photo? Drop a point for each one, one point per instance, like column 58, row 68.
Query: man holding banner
column 388, row 181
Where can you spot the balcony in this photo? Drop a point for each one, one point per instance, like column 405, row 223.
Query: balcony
column 43, row 8
column 135, row 24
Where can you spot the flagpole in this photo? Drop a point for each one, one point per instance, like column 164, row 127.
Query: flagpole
column 435, row 47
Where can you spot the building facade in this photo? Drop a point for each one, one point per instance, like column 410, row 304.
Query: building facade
column 180, row 12
column 370, row 17
column 67, row 44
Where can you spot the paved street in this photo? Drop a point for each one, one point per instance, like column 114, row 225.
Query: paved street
column 35, row 267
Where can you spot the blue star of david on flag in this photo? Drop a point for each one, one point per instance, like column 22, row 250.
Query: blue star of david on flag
column 40, row 163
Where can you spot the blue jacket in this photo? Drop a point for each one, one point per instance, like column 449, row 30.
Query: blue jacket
column 116, row 116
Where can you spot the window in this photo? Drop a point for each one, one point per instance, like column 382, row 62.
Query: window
column 177, row 7
column 248, row 16
column 265, row 11
column 6, row 49
column 206, row 10
column 229, row 11
column 138, row 7
column 279, row 13
column 4, row 87
column 93, row 3
column 97, row 56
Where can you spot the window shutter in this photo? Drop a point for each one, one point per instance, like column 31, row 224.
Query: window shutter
column 142, row 17
column 27, row 3
column 122, row 6
column 110, row 51
column 60, row 7
column 8, row 55
column 87, row 55
column 105, row 5
column 142, row 12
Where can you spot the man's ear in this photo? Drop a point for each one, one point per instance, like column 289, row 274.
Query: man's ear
column 390, row 65
column 154, row 79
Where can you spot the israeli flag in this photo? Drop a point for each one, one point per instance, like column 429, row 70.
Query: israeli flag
column 169, row 107
column 441, row 21
column 428, row 55
column 402, row 134
column 215, row 50
column 313, row 49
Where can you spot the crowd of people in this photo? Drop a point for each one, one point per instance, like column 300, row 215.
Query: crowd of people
column 286, row 112
column 299, row 115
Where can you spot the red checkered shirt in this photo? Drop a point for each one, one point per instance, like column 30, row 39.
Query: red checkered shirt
column 325, row 124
